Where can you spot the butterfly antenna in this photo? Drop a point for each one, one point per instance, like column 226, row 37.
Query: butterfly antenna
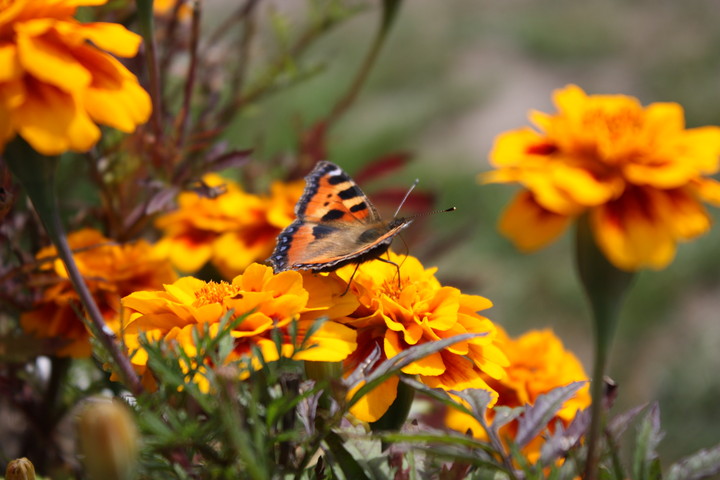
column 412, row 187
column 433, row 212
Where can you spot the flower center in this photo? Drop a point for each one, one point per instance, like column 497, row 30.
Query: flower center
column 622, row 122
column 214, row 292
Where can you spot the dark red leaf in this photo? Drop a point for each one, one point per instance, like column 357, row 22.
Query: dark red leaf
column 382, row 166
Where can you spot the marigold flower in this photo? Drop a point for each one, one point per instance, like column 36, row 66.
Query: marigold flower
column 56, row 82
column 639, row 174
column 267, row 301
column 397, row 313
column 110, row 270
column 231, row 231
column 538, row 363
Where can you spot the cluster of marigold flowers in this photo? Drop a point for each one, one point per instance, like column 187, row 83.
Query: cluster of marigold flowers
column 141, row 295
column 638, row 174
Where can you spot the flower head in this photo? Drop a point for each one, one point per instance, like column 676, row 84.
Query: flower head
column 396, row 313
column 538, row 363
column 639, row 174
column 267, row 303
column 111, row 271
column 231, row 230
column 56, row 80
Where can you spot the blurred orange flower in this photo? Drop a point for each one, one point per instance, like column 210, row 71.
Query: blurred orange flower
column 56, row 82
column 538, row 364
column 639, row 174
column 110, row 270
column 231, row 231
column 397, row 313
column 269, row 302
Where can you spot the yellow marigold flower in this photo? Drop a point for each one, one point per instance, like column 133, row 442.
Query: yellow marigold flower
column 538, row 364
column 267, row 301
column 397, row 313
column 231, row 231
column 111, row 271
column 639, row 174
column 56, row 82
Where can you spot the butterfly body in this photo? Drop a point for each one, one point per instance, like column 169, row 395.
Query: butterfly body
column 336, row 225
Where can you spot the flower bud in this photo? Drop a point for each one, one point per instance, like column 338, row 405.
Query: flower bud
column 20, row 469
column 108, row 440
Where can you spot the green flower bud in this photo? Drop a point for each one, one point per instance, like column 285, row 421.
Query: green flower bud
column 20, row 469
column 108, row 440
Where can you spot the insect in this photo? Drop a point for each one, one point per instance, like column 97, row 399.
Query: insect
column 336, row 225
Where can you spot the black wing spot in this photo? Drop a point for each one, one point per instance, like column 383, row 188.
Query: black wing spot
column 338, row 179
column 359, row 207
column 320, row 231
column 349, row 193
column 333, row 214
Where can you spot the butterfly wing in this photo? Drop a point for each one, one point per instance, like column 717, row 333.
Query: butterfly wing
column 336, row 224
column 331, row 195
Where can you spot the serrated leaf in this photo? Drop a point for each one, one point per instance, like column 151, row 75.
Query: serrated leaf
column 435, row 393
column 702, row 464
column 505, row 415
column 536, row 417
column 478, row 399
column 617, row 425
column 435, row 436
column 394, row 365
column 648, row 437
column 560, row 442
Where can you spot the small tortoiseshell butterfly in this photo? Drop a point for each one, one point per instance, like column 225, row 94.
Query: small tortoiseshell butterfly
column 336, row 225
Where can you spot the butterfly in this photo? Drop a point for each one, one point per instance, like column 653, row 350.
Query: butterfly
column 336, row 225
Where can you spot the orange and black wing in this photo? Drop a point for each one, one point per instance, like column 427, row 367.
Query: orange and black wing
column 336, row 224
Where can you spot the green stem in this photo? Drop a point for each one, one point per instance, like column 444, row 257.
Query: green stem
column 390, row 9
column 605, row 287
column 147, row 29
column 36, row 173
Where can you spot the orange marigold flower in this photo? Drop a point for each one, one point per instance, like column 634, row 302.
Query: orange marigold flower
column 110, row 270
column 397, row 313
column 165, row 7
column 267, row 301
column 639, row 174
column 56, row 82
column 231, row 231
column 538, row 363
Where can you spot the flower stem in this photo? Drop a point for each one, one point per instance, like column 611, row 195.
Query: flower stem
column 36, row 173
column 147, row 28
column 605, row 287
column 390, row 9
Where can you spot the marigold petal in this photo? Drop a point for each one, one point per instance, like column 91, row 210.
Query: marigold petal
column 430, row 365
column 376, row 402
column 707, row 189
column 332, row 342
column 52, row 122
column 50, row 62
column 529, row 225
column 9, row 63
column 184, row 253
column 114, row 98
column 681, row 212
column 111, row 37
column 514, row 148
column 630, row 238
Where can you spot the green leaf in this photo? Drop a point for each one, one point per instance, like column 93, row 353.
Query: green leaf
column 394, row 365
column 702, row 464
column 349, row 466
column 648, row 437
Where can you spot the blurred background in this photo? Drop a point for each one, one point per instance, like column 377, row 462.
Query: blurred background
column 453, row 75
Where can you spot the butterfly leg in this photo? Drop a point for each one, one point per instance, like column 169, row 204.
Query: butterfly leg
column 397, row 267
column 357, row 265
